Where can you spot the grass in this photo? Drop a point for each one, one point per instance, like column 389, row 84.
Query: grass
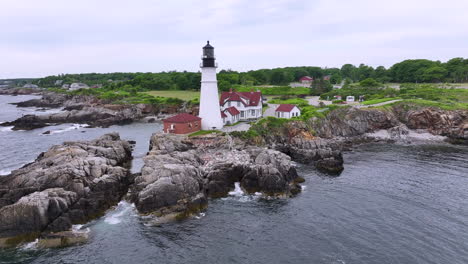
column 274, row 90
column 294, row 101
column 446, row 105
column 377, row 101
column 203, row 132
column 183, row 95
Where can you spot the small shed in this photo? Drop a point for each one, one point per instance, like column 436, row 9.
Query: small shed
column 230, row 115
column 287, row 111
column 182, row 124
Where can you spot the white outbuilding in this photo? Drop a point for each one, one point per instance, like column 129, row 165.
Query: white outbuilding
column 287, row 111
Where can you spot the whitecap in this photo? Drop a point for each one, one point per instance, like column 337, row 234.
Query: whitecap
column 115, row 217
column 30, row 245
column 72, row 127
column 200, row 215
column 237, row 190
column 4, row 172
column 6, row 129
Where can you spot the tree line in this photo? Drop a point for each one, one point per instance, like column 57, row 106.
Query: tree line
column 408, row 71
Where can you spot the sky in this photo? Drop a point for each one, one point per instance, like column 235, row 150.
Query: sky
column 50, row 37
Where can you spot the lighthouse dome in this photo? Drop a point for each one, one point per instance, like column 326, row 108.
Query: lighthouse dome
column 208, row 56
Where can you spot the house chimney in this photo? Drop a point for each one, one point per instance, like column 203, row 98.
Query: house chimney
column 230, row 90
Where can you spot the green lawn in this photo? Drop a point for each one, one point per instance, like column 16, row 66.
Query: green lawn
column 183, row 95
column 377, row 101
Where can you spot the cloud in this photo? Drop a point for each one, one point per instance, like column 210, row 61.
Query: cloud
column 40, row 38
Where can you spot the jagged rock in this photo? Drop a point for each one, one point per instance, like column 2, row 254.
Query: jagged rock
column 69, row 184
column 49, row 99
column 180, row 173
column 453, row 124
column 349, row 122
column 20, row 91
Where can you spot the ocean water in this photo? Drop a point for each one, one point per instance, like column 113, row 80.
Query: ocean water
column 392, row 204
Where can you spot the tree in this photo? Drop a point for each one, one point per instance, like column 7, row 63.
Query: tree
column 369, row 82
column 348, row 71
column 335, row 78
column 434, row 74
column 320, row 86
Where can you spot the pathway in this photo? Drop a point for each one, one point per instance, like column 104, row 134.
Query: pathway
column 379, row 104
column 315, row 101
column 270, row 111
column 242, row 126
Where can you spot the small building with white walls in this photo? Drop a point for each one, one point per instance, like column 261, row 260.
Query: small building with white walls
column 287, row 111
column 209, row 99
column 230, row 115
column 350, row 99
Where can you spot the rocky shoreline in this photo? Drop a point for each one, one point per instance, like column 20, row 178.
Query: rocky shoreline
column 78, row 181
column 180, row 174
column 84, row 109
column 66, row 185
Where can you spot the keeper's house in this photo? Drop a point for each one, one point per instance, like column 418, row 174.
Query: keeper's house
column 287, row 111
column 182, row 124
column 248, row 104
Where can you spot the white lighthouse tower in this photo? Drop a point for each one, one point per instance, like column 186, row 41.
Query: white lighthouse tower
column 210, row 111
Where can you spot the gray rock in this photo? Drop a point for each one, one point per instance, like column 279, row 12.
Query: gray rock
column 180, row 173
column 69, row 184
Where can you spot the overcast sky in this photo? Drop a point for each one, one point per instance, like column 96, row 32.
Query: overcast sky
column 49, row 37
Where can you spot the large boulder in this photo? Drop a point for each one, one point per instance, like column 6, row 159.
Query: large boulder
column 180, row 173
column 69, row 184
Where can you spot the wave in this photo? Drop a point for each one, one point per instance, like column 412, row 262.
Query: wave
column 72, row 127
column 30, row 245
column 239, row 195
column 5, row 172
column 6, row 129
column 122, row 209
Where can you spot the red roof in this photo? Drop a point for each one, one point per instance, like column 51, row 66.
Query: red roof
column 306, row 78
column 223, row 115
column 182, row 118
column 232, row 110
column 253, row 97
column 285, row 108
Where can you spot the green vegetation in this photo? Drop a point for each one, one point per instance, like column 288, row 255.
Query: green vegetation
column 425, row 94
column 273, row 90
column 377, row 101
column 203, row 132
column 183, row 95
column 295, row 101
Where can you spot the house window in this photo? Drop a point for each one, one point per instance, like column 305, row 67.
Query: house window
column 190, row 125
column 242, row 113
column 253, row 112
column 238, row 104
column 229, row 104
column 172, row 126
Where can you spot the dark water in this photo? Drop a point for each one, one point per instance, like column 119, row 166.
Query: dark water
column 392, row 204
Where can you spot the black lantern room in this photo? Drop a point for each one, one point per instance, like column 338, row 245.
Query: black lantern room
column 208, row 56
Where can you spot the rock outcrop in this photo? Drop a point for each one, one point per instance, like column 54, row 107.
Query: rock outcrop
column 95, row 116
column 452, row 124
column 351, row 122
column 48, row 99
column 69, row 184
column 19, row 91
column 180, row 174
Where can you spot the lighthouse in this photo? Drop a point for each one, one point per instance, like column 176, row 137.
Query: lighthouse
column 210, row 111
